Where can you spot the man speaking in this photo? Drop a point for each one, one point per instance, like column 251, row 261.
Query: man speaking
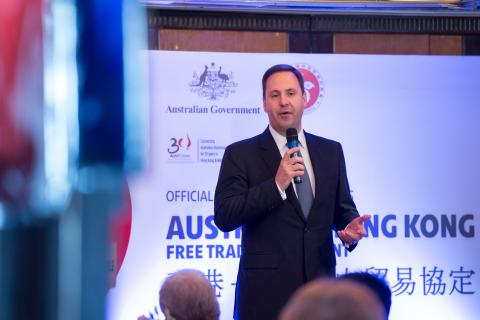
column 287, row 197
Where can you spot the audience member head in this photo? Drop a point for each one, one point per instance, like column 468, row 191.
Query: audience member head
column 377, row 284
column 325, row 299
column 188, row 295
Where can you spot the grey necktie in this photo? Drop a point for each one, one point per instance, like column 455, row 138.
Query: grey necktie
column 305, row 194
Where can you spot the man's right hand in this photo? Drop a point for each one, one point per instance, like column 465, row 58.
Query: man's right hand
column 289, row 168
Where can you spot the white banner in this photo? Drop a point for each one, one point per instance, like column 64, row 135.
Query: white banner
column 409, row 126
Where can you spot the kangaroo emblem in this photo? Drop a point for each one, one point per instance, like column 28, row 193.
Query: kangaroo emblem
column 203, row 76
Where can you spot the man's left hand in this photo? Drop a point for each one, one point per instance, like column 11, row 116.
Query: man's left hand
column 354, row 231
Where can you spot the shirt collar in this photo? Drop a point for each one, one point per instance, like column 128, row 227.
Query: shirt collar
column 281, row 140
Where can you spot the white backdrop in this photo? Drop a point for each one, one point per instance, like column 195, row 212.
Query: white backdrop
column 409, row 126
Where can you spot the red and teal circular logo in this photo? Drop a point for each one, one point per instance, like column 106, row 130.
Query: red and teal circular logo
column 314, row 86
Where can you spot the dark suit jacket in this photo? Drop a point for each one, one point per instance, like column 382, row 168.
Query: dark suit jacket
column 281, row 250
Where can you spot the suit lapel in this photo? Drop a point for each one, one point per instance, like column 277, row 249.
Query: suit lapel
column 292, row 198
column 316, row 160
column 272, row 157
column 269, row 153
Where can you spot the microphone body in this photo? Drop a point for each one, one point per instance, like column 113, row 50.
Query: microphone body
column 292, row 142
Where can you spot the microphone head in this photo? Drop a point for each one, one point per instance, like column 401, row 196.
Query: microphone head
column 292, row 134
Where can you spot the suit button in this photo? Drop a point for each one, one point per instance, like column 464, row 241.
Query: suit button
column 305, row 230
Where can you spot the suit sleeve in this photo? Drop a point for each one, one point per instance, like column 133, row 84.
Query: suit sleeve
column 238, row 200
column 345, row 209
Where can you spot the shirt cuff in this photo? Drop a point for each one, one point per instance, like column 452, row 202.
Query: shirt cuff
column 283, row 194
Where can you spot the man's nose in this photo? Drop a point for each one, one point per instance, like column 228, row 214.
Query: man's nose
column 283, row 100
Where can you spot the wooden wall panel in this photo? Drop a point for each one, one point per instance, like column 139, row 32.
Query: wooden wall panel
column 226, row 41
column 398, row 44
column 445, row 45
column 351, row 43
column 381, row 43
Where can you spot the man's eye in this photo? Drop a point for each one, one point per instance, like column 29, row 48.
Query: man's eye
column 274, row 95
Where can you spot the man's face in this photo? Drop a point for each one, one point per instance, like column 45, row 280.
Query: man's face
column 284, row 101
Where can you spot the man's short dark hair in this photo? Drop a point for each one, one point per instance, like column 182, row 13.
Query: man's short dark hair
column 328, row 299
column 374, row 282
column 280, row 68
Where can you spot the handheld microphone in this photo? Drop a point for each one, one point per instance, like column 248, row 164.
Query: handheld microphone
column 292, row 142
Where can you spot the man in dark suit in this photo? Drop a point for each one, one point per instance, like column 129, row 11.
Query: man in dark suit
column 283, row 245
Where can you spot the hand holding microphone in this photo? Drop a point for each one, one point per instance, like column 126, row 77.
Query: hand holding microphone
column 291, row 166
